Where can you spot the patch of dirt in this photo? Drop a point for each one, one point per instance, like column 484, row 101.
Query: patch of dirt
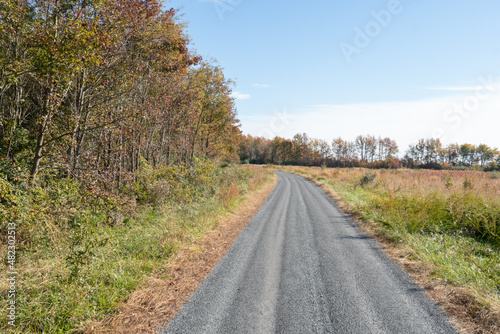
column 154, row 305
column 468, row 314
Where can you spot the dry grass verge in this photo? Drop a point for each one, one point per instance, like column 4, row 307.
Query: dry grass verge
column 154, row 305
column 468, row 314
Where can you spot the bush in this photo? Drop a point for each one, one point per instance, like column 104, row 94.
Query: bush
column 368, row 178
column 449, row 183
column 492, row 166
column 7, row 197
column 468, row 184
column 13, row 172
column 432, row 165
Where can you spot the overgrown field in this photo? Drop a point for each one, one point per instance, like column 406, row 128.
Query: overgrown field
column 79, row 255
column 451, row 219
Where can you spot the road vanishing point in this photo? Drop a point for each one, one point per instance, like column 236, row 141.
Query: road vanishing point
column 302, row 266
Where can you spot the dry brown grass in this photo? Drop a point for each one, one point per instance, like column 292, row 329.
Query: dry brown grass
column 417, row 181
column 152, row 306
column 227, row 196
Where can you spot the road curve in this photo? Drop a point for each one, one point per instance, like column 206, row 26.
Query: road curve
column 301, row 266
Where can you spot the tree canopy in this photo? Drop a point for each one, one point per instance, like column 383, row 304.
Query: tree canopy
column 88, row 88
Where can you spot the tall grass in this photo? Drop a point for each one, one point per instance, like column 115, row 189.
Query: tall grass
column 80, row 256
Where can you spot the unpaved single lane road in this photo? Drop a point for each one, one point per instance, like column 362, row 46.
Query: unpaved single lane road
column 302, row 266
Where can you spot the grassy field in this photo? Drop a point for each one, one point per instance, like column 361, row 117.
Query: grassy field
column 449, row 219
column 80, row 256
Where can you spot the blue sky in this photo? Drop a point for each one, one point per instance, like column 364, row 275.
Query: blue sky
column 406, row 69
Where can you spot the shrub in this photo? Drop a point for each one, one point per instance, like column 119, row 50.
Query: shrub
column 368, row 178
column 492, row 166
column 468, row 184
column 448, row 183
column 7, row 196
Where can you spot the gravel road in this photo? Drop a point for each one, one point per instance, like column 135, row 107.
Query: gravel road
column 302, row 266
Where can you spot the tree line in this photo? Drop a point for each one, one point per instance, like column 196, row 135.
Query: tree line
column 89, row 89
column 365, row 151
column 432, row 153
column 304, row 150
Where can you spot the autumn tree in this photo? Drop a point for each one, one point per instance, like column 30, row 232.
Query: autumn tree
column 486, row 154
column 468, row 154
column 92, row 88
column 386, row 149
column 451, row 154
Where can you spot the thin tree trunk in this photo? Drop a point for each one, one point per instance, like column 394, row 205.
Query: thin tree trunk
column 38, row 154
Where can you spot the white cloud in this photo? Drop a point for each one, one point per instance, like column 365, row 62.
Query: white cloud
column 240, row 96
column 456, row 89
column 453, row 89
column 261, row 85
column 451, row 118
